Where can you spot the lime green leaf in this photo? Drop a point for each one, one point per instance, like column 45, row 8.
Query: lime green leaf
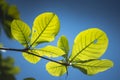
column 45, row 28
column 63, row 44
column 51, row 51
column 20, row 32
column 31, row 57
column 89, row 44
column 94, row 66
column 55, row 69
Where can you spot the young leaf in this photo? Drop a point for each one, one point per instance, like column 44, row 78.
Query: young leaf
column 20, row 32
column 89, row 44
column 51, row 51
column 63, row 44
column 45, row 28
column 94, row 66
column 55, row 69
column 32, row 58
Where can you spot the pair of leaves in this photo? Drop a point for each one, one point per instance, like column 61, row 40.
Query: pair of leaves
column 89, row 46
column 45, row 28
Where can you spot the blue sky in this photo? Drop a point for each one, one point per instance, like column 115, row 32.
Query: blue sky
column 75, row 16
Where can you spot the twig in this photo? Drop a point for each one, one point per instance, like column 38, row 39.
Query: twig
column 24, row 50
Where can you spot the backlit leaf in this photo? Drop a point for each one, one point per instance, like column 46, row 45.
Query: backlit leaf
column 21, row 32
column 51, row 51
column 55, row 69
column 89, row 44
column 94, row 66
column 45, row 28
column 31, row 57
column 63, row 44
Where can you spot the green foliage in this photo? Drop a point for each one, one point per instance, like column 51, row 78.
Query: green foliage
column 1, row 45
column 21, row 32
column 45, row 28
column 93, row 66
column 89, row 44
column 51, row 51
column 7, row 68
column 63, row 44
column 7, row 14
column 56, row 69
column 30, row 57
column 88, row 47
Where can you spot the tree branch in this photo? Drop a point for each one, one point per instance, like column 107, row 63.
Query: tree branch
column 25, row 50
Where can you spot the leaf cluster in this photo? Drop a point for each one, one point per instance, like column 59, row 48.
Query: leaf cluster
column 89, row 45
column 7, row 68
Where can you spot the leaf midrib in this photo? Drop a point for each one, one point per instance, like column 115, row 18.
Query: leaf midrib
column 64, row 45
column 96, row 66
column 42, row 30
column 22, row 34
column 84, row 48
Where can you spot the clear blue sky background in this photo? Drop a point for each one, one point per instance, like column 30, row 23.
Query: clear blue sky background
column 75, row 16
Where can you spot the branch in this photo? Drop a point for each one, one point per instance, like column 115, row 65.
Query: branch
column 25, row 50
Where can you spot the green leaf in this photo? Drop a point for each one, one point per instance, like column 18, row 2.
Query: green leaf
column 93, row 67
column 21, row 32
column 8, row 62
column 89, row 44
column 32, row 58
column 1, row 45
column 45, row 28
column 51, row 51
column 55, row 69
column 13, row 71
column 13, row 12
column 63, row 44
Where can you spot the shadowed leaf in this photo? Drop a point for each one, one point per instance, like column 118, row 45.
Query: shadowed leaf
column 63, row 44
